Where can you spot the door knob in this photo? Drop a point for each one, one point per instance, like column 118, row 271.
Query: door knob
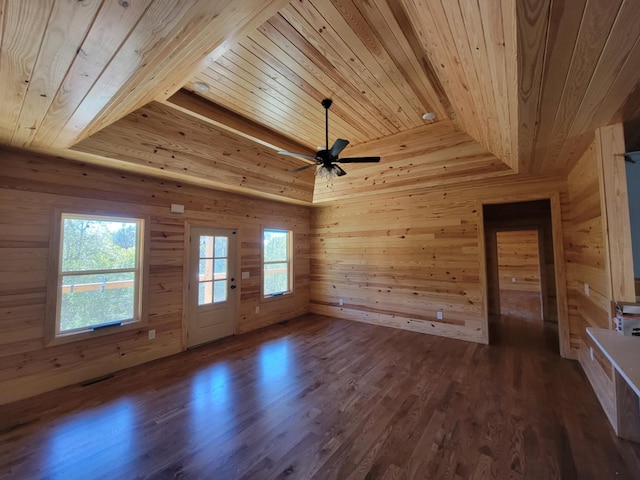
column 232, row 287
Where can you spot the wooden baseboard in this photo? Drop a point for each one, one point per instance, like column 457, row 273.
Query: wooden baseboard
column 395, row 321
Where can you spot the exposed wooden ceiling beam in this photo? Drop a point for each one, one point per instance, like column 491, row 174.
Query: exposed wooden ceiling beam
column 209, row 112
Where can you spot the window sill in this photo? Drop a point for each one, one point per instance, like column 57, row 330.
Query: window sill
column 90, row 333
column 277, row 296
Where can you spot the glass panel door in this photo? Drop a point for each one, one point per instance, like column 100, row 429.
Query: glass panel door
column 213, row 273
column 212, row 284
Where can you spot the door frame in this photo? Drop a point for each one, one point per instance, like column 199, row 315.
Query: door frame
column 564, row 340
column 185, row 276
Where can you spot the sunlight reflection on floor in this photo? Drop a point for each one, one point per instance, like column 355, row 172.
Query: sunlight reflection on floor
column 104, row 435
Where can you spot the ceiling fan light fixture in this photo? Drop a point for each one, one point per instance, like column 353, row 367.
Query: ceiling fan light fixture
column 326, row 173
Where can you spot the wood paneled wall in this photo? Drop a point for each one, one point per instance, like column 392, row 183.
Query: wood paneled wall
column 585, row 250
column 594, row 224
column 398, row 259
column 519, row 274
column 32, row 186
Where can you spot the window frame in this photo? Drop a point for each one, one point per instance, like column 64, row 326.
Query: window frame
column 54, row 285
column 289, row 262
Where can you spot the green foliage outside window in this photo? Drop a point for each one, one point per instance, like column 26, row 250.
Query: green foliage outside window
column 276, row 262
column 99, row 263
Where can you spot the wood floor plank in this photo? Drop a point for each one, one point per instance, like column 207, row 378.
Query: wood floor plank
column 323, row 398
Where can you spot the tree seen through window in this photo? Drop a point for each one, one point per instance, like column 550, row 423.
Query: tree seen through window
column 98, row 271
column 276, row 252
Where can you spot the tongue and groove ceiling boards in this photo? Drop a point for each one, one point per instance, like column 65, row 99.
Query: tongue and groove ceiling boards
column 206, row 92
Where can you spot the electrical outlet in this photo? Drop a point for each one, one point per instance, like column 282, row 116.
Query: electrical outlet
column 340, row 302
column 586, row 289
column 591, row 353
column 440, row 315
column 258, row 309
column 152, row 334
column 513, row 279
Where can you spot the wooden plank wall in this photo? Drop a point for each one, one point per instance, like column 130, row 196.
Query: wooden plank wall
column 397, row 259
column 585, row 251
column 519, row 274
column 32, row 186
column 598, row 252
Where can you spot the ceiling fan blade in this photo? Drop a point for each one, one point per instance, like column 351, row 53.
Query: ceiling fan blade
column 300, row 155
column 341, row 172
column 299, row 169
column 359, row 160
column 338, row 146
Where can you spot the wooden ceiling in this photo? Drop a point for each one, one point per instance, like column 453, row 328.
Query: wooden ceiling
column 518, row 86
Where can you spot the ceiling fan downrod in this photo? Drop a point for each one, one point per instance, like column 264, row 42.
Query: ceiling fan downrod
column 326, row 103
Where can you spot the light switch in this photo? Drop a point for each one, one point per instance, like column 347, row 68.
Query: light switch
column 245, row 275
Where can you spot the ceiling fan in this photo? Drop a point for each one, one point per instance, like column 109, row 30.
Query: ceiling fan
column 328, row 159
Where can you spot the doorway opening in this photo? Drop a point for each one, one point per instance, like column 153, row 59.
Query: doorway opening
column 521, row 282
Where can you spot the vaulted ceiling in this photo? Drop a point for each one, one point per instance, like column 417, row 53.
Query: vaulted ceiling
column 206, row 92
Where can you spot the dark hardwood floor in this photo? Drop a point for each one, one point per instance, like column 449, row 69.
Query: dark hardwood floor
column 325, row 398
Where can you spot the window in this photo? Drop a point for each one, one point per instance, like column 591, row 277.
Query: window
column 276, row 262
column 212, row 274
column 99, row 273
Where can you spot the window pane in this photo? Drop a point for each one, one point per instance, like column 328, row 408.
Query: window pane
column 206, row 270
column 89, row 300
column 220, row 269
column 276, row 278
column 275, row 246
column 205, row 293
column 206, row 247
column 221, row 247
column 219, row 291
column 98, row 244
